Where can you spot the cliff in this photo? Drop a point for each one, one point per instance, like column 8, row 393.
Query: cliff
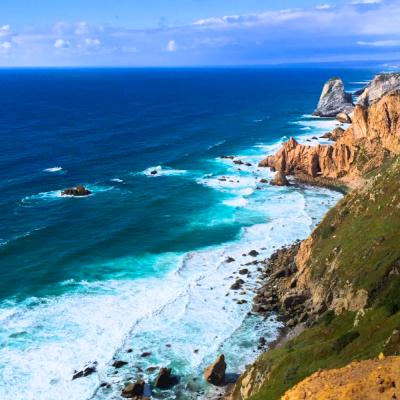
column 373, row 137
column 340, row 290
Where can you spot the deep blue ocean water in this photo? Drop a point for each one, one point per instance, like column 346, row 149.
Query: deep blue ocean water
column 140, row 264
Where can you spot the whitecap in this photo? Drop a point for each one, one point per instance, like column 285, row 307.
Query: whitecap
column 118, row 180
column 162, row 171
column 53, row 169
column 237, row 202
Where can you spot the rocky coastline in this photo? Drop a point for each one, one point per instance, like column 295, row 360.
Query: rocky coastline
column 289, row 283
column 361, row 161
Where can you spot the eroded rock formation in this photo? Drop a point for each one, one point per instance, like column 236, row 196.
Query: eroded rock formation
column 373, row 136
column 379, row 86
column 334, row 100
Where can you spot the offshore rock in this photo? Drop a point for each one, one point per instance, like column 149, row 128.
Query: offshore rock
column 133, row 389
column 215, row 373
column 164, row 379
column 77, row 191
column 280, row 179
column 334, row 100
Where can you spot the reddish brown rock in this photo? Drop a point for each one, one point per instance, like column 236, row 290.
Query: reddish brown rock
column 215, row 373
column 133, row 389
column 280, row 179
column 373, row 136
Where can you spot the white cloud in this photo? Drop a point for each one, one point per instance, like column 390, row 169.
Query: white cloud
column 171, row 46
column 82, row 28
column 62, row 44
column 5, row 30
column 92, row 43
column 324, row 7
column 5, row 46
column 360, row 2
column 380, row 43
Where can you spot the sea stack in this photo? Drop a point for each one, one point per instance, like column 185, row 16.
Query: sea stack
column 280, row 179
column 334, row 100
column 215, row 373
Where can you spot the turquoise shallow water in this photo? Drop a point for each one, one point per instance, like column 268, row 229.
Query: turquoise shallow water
column 140, row 264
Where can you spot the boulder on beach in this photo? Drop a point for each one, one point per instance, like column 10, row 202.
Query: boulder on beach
column 165, row 379
column 77, row 191
column 334, row 100
column 280, row 179
column 215, row 373
column 133, row 389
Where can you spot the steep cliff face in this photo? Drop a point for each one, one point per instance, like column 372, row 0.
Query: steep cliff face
column 334, row 100
column 378, row 87
column 347, row 274
column 373, row 137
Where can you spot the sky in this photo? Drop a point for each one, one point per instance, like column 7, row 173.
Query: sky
column 36, row 33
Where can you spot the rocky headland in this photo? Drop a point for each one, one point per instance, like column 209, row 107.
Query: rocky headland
column 372, row 138
column 338, row 291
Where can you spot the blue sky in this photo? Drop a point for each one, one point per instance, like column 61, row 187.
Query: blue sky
column 196, row 32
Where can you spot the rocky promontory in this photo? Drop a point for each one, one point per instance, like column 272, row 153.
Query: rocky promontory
column 373, row 137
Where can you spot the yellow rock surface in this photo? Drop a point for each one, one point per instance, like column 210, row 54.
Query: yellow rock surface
column 366, row 380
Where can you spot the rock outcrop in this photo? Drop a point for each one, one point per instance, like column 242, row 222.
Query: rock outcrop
column 215, row 373
column 280, row 179
column 378, row 87
column 133, row 390
column 77, row 191
column 165, row 379
column 334, row 100
column 373, row 137
column 365, row 380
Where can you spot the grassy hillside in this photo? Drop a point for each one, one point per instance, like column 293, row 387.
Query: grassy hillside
column 361, row 236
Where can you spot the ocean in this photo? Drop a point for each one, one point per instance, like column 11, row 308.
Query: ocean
column 141, row 264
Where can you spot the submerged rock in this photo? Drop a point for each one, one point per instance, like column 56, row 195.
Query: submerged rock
column 119, row 363
column 90, row 369
column 238, row 284
column 165, row 379
column 334, row 100
column 77, row 191
column 215, row 373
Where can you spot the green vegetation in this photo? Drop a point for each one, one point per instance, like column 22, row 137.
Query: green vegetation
column 360, row 237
